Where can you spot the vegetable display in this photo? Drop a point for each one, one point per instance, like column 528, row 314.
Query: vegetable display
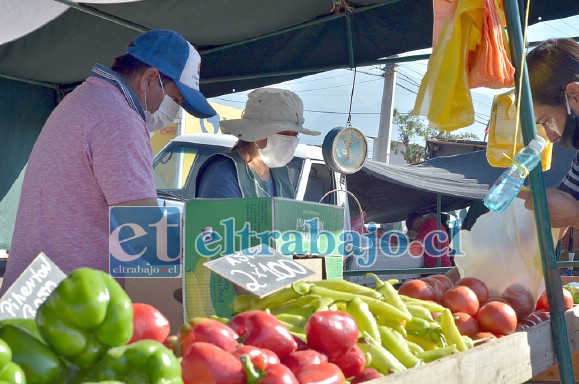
column 328, row 331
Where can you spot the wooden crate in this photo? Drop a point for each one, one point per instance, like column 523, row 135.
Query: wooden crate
column 512, row 359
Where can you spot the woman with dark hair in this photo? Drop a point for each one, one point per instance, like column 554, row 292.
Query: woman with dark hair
column 554, row 78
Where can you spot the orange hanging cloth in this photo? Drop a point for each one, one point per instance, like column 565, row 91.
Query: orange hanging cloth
column 490, row 65
column 441, row 10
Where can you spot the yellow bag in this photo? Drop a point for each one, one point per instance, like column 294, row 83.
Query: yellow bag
column 505, row 138
column 444, row 94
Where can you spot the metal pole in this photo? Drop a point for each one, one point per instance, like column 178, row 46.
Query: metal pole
column 549, row 262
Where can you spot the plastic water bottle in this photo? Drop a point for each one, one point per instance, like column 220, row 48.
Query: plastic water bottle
column 506, row 188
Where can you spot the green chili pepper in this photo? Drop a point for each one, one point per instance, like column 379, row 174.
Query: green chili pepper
column 377, row 307
column 428, row 356
column 275, row 299
column 144, row 361
column 304, row 306
column 364, row 318
column 451, row 332
column 389, row 292
column 39, row 363
column 430, row 305
column 419, row 311
column 10, row 372
column 438, row 337
column 397, row 347
column 423, row 341
column 85, row 315
column 394, row 324
column 381, row 359
column 349, row 287
column 417, row 325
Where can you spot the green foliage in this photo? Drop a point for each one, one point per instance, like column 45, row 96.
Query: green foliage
column 411, row 127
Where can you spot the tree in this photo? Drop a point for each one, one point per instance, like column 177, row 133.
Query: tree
column 411, row 127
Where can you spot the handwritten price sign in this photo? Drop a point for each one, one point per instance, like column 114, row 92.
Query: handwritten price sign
column 260, row 270
column 31, row 288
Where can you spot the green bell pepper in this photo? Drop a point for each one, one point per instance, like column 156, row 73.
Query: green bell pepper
column 10, row 372
column 142, row 362
column 38, row 362
column 86, row 314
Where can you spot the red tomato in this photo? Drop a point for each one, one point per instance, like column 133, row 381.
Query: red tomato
column 478, row 286
column 497, row 317
column 483, row 335
column 437, row 286
column 543, row 315
column 417, row 289
column 543, row 303
column 521, row 299
column 149, row 323
column 332, row 333
column 466, row 324
column 444, row 280
column 460, row 298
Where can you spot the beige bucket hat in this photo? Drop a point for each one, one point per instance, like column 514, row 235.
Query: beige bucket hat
column 268, row 111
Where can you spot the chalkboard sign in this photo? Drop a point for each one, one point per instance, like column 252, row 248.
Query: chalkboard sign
column 31, row 288
column 259, row 270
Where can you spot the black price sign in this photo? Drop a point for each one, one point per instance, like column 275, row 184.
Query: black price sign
column 31, row 288
column 260, row 270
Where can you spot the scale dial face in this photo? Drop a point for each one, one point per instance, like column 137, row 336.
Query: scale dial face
column 345, row 149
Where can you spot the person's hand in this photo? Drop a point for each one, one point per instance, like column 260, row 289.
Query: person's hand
column 563, row 208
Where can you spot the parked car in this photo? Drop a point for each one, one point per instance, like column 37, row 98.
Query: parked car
column 176, row 166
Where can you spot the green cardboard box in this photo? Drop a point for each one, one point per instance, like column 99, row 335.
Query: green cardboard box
column 218, row 227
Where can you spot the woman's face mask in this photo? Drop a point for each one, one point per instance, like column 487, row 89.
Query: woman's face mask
column 279, row 150
column 570, row 136
column 165, row 115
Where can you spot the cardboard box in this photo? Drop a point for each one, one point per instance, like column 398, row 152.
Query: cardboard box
column 217, row 227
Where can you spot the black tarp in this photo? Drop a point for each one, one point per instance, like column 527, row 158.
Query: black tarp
column 389, row 192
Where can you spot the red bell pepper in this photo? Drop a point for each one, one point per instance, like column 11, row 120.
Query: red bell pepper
column 366, row 375
column 149, row 324
column 263, row 330
column 331, row 332
column 209, row 331
column 260, row 357
column 206, row 363
column 324, row 373
column 352, row 362
column 297, row 360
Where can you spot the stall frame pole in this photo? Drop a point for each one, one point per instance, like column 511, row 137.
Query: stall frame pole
column 548, row 260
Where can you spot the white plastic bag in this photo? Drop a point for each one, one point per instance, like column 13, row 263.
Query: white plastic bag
column 502, row 250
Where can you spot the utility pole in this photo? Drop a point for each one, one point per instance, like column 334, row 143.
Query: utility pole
column 381, row 149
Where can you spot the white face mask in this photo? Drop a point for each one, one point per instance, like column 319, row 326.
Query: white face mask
column 279, row 150
column 165, row 115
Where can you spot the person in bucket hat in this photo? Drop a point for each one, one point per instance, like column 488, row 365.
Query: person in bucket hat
column 94, row 152
column 267, row 139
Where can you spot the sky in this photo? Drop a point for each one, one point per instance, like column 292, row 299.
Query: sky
column 326, row 95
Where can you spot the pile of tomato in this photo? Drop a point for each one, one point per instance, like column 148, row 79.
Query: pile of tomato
column 478, row 315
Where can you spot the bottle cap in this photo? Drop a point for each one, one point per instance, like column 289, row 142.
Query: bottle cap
column 538, row 144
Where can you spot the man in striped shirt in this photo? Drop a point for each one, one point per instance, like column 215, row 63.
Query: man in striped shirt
column 554, row 78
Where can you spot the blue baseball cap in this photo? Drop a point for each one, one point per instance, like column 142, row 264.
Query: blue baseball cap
column 174, row 57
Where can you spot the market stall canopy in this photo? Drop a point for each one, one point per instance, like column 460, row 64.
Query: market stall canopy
column 244, row 44
column 389, row 192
